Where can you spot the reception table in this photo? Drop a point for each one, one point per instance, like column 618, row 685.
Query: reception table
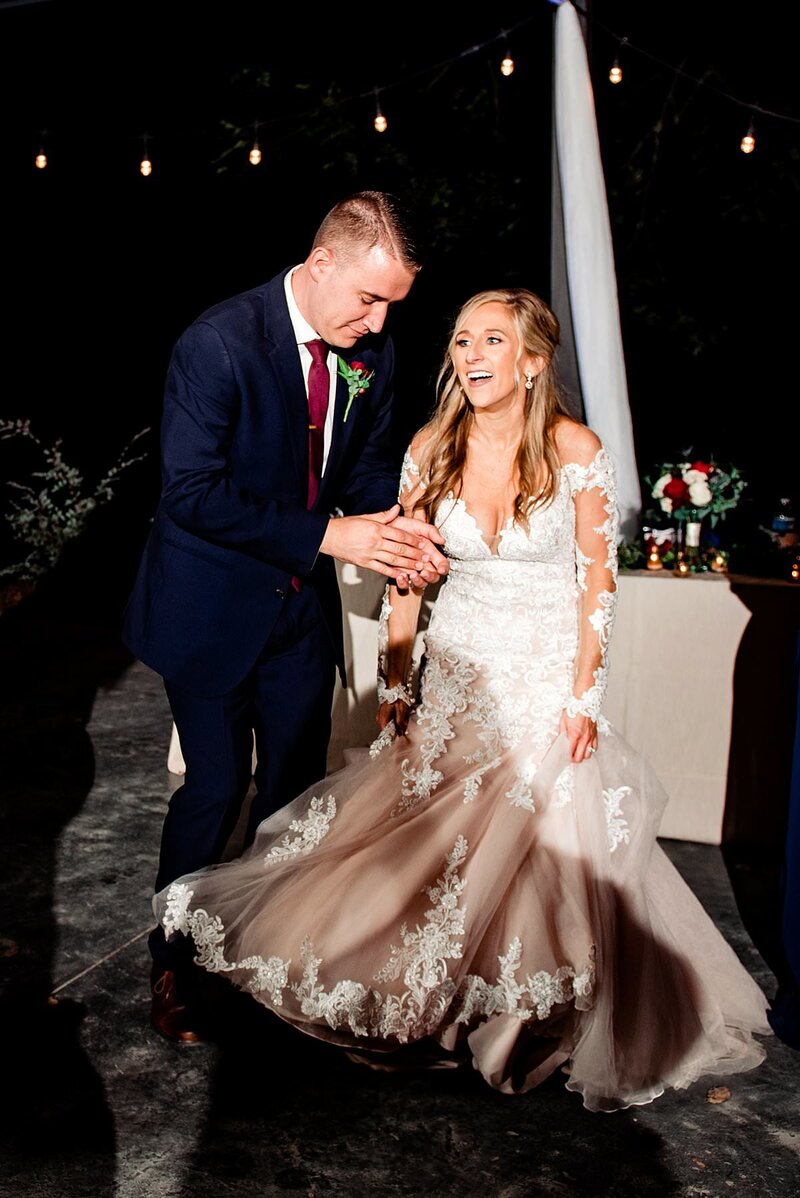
column 670, row 691
column 675, row 654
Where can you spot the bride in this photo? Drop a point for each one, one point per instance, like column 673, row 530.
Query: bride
column 486, row 884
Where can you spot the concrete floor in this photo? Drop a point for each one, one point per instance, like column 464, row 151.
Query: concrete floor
column 96, row 1104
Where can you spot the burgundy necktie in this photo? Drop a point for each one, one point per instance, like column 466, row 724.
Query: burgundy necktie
column 319, row 382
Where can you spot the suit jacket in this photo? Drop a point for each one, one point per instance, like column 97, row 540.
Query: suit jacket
column 232, row 526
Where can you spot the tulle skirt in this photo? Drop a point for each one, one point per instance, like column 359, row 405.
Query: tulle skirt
column 528, row 932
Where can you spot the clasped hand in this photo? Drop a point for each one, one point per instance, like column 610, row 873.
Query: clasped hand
column 389, row 543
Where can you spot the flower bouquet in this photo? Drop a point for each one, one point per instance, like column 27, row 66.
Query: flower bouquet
column 689, row 492
column 694, row 490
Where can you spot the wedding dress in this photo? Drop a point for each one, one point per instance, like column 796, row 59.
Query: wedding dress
column 467, row 887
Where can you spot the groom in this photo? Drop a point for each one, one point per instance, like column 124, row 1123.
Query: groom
column 276, row 459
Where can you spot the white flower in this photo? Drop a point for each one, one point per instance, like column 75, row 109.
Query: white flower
column 699, row 492
column 666, row 505
column 658, row 489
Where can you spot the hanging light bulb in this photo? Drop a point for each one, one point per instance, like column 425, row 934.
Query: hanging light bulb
column 507, row 65
column 380, row 122
column 145, row 166
column 748, row 142
column 255, row 149
column 615, row 74
column 40, row 159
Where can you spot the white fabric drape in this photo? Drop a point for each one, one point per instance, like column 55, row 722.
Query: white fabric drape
column 590, row 262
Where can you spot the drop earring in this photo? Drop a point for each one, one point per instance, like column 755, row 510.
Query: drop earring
column 528, row 380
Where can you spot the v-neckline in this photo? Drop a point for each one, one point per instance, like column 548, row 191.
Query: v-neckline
column 498, row 536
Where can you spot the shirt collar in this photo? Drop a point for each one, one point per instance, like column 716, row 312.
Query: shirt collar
column 303, row 331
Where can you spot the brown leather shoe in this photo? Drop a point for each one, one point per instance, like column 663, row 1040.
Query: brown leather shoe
column 168, row 1015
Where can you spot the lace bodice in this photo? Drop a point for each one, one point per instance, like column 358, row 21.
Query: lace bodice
column 517, row 613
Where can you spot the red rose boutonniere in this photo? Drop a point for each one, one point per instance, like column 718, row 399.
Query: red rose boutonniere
column 357, row 377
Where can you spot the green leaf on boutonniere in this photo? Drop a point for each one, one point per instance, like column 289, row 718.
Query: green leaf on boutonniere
column 357, row 377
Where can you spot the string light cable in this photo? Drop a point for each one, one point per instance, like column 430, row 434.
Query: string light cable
column 431, row 69
column 629, row 45
column 381, row 124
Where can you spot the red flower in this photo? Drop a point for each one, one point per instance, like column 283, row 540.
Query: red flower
column 676, row 490
column 359, row 367
column 706, row 467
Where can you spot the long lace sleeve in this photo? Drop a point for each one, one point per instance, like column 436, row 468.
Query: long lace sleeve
column 396, row 635
column 596, row 536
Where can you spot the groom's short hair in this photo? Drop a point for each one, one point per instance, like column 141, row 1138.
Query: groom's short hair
column 367, row 219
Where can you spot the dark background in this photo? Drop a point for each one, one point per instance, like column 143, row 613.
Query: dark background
column 103, row 269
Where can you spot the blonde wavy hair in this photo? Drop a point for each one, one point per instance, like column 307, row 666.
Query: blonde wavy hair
column 446, row 435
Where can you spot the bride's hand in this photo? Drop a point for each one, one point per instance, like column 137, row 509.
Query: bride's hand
column 396, row 713
column 582, row 734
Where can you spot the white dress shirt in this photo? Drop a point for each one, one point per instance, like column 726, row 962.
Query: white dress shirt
column 303, row 332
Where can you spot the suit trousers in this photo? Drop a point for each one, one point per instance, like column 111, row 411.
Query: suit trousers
column 285, row 701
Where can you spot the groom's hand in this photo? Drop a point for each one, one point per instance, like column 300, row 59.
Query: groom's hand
column 389, row 543
column 434, row 564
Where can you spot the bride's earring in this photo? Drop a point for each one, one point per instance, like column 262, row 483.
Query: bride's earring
column 528, row 380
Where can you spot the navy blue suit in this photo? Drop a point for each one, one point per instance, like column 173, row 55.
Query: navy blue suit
column 213, row 609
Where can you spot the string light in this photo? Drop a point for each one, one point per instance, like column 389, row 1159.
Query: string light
column 381, row 124
column 145, row 166
column 748, row 142
column 255, row 151
column 615, row 74
column 507, row 66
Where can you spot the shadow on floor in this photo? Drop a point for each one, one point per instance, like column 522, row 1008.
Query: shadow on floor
column 297, row 1113
column 52, row 1101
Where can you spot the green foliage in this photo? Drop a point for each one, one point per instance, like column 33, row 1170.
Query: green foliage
column 52, row 510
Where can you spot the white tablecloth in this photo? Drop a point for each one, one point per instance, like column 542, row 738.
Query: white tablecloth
column 670, row 690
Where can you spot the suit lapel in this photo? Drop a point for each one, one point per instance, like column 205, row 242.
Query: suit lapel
column 285, row 360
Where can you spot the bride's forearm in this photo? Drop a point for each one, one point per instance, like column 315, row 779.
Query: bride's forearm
column 596, row 621
column 397, row 631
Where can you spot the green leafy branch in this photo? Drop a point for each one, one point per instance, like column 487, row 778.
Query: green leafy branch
column 47, row 513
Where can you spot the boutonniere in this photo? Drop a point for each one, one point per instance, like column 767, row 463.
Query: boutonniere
column 357, row 377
